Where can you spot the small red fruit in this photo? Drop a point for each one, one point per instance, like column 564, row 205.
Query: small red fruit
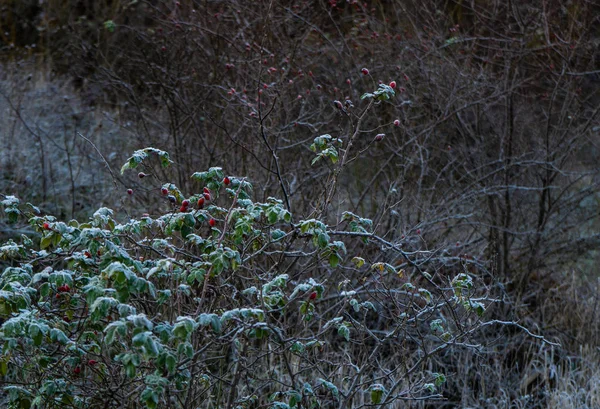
column 185, row 203
column 348, row 81
column 129, row 191
column 207, row 197
column 164, row 191
column 87, row 254
column 397, row 122
column 183, row 209
column 313, row 295
column 46, row 226
column 200, row 203
column 163, row 48
column 92, row 362
column 379, row 137
column 365, row 71
column 212, row 222
column 141, row 175
column 226, row 181
column 393, row 84
column 77, row 370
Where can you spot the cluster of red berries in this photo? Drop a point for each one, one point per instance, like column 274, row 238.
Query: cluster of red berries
column 184, row 206
column 64, row 288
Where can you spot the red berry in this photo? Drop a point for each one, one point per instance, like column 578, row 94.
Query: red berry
column 92, row 362
column 183, row 209
column 379, row 137
column 163, row 48
column 212, row 222
column 77, row 370
column 200, row 203
column 185, row 203
column 141, row 175
column 348, row 81
column 129, row 191
column 226, row 181
column 87, row 254
column 206, row 190
column 365, row 71
column 313, row 295
column 393, row 84
column 46, row 226
column 164, row 191
column 397, row 122
column 207, row 196
column 418, row 231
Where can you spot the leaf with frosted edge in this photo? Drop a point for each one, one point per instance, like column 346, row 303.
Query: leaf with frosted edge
column 344, row 332
column 425, row 294
column 436, row 326
column 58, row 336
column 333, row 321
column 439, row 379
column 142, row 154
column 112, row 329
column 358, row 261
column 377, row 391
column 280, row 405
column 329, row 386
column 141, row 321
column 10, row 201
column 101, row 305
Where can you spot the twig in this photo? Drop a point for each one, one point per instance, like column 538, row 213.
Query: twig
column 114, row 179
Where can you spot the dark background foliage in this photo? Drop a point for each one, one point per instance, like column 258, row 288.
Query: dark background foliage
column 493, row 161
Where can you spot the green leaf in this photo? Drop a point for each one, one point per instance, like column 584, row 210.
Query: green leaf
column 344, row 332
column 439, row 379
column 329, row 386
column 58, row 336
column 110, row 26
column 150, row 398
column 377, row 391
column 36, row 334
column 358, row 261
column 170, row 363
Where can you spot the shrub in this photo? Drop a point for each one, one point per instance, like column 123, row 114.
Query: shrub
column 260, row 308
